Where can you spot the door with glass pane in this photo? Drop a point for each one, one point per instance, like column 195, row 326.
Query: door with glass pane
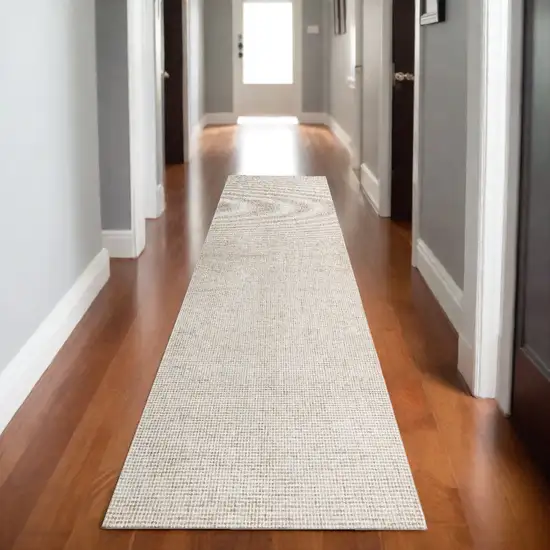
column 266, row 57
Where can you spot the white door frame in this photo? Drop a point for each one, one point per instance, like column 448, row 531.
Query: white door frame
column 187, row 131
column 147, row 195
column 386, row 111
column 154, row 191
column 486, row 361
column 355, row 82
column 417, row 134
column 297, row 111
column 379, row 188
column 157, row 198
column 140, row 154
column 486, row 333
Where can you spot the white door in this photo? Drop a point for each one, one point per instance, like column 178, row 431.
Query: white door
column 267, row 57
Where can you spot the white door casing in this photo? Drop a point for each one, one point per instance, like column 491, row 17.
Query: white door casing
column 266, row 99
column 137, row 79
column 159, row 83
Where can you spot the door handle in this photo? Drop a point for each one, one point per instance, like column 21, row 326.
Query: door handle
column 401, row 77
column 166, row 75
column 240, row 45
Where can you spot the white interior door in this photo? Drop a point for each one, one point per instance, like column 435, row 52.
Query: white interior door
column 267, row 57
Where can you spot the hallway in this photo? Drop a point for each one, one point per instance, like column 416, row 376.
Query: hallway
column 61, row 455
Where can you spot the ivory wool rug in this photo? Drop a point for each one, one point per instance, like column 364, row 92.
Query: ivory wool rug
column 269, row 409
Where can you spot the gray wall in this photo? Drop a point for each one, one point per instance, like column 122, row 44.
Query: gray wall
column 342, row 97
column 313, row 64
column 50, row 227
column 372, row 74
column 196, row 93
column 114, row 114
column 444, row 138
column 218, row 57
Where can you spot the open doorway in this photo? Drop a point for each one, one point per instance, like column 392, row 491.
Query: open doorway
column 388, row 106
column 170, row 129
column 402, row 109
column 171, row 60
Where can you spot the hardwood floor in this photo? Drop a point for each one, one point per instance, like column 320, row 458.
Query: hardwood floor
column 61, row 455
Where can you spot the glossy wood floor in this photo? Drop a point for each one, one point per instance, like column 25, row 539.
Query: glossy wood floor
column 62, row 453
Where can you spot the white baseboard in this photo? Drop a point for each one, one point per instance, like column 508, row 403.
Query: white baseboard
column 341, row 134
column 120, row 243
column 466, row 363
column 196, row 132
column 161, row 200
column 156, row 209
column 446, row 291
column 215, row 119
column 314, row 118
column 23, row 372
column 371, row 186
column 353, row 179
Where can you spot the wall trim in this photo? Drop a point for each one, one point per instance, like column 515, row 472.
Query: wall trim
column 186, row 107
column 341, row 134
column 157, row 208
column 150, row 171
column 511, row 222
column 214, row 119
column 161, row 200
column 442, row 285
column 138, row 78
column 196, row 132
column 371, row 187
column 492, row 198
column 466, row 359
column 385, row 117
column 119, row 243
column 23, row 372
column 417, row 129
column 314, row 118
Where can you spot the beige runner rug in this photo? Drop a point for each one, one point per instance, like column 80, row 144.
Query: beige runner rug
column 269, row 410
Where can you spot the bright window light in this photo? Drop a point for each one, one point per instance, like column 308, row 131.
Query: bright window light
column 268, row 40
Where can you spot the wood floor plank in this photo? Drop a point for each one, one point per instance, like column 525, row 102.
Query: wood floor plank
column 62, row 453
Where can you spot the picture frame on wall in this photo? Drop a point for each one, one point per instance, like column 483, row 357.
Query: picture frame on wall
column 340, row 16
column 432, row 11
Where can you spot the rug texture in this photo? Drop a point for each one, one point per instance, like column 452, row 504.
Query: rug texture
column 269, row 410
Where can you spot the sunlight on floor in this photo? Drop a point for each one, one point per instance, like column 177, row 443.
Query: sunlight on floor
column 244, row 120
column 268, row 148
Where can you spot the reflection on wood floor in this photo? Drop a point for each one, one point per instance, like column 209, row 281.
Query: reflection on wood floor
column 61, row 455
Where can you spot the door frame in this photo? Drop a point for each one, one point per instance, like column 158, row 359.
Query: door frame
column 139, row 79
column 298, row 54
column 147, row 191
column 187, row 130
column 486, row 358
column 156, row 202
column 486, row 330
column 385, row 121
column 386, row 111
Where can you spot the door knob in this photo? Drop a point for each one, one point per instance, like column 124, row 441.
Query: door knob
column 166, row 74
column 401, row 77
